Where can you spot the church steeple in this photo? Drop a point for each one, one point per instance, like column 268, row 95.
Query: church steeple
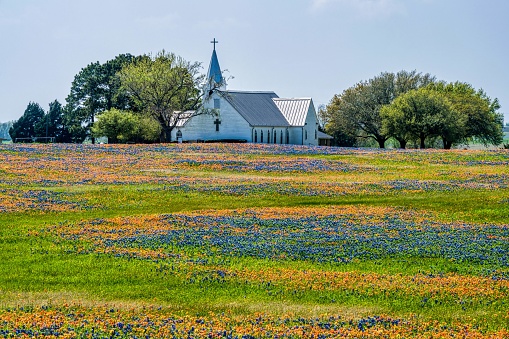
column 214, row 76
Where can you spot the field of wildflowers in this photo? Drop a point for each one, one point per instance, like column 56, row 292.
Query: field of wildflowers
column 252, row 241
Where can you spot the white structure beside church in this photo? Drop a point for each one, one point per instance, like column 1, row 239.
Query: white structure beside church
column 255, row 117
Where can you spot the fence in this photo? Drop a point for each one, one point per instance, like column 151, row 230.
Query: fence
column 36, row 139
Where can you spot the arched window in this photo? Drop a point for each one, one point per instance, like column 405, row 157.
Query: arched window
column 179, row 134
column 287, row 136
column 306, row 134
column 316, row 134
column 261, row 136
column 275, row 137
column 256, row 136
column 268, row 136
column 281, row 137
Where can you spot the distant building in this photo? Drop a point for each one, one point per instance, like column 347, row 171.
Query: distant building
column 324, row 139
column 247, row 116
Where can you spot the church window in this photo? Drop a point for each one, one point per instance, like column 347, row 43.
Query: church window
column 268, row 136
column 281, row 137
column 256, row 136
column 261, row 136
column 306, row 134
column 217, row 104
column 316, row 134
column 275, row 137
column 287, row 137
column 179, row 134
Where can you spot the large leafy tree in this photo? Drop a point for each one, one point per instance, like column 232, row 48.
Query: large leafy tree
column 479, row 117
column 24, row 127
column 166, row 87
column 340, row 138
column 420, row 114
column 356, row 112
column 95, row 89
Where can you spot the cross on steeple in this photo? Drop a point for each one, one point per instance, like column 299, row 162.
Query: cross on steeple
column 214, row 42
column 217, row 123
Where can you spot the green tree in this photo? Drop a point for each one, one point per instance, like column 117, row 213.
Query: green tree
column 124, row 126
column 166, row 87
column 478, row 114
column 117, row 126
column 52, row 124
column 420, row 114
column 24, row 127
column 356, row 112
column 341, row 139
column 95, row 89
column 149, row 129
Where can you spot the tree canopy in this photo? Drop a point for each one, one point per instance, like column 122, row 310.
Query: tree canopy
column 166, row 87
column 35, row 123
column 478, row 119
column 24, row 127
column 419, row 114
column 453, row 112
column 356, row 112
column 95, row 89
column 52, row 124
column 124, row 126
column 410, row 106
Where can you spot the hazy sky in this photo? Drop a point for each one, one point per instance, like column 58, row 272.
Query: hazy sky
column 296, row 48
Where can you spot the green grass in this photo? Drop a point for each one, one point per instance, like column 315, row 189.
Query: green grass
column 40, row 268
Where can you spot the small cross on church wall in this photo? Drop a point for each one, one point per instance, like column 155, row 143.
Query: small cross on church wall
column 217, row 123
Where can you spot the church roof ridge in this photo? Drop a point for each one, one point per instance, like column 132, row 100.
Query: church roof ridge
column 249, row 92
column 295, row 99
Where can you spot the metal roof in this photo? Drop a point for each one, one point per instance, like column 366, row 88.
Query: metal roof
column 294, row 110
column 322, row 135
column 181, row 117
column 258, row 108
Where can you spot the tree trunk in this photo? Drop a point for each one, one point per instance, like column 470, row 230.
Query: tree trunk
column 381, row 142
column 166, row 134
column 402, row 143
column 90, row 127
column 423, row 138
column 447, row 144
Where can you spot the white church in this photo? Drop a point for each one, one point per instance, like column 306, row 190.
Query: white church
column 254, row 117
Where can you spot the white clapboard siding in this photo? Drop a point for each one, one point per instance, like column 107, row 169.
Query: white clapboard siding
column 202, row 127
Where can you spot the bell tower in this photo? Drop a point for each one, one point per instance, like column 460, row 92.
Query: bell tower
column 215, row 78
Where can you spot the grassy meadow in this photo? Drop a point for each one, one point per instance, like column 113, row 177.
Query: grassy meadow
column 252, row 241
